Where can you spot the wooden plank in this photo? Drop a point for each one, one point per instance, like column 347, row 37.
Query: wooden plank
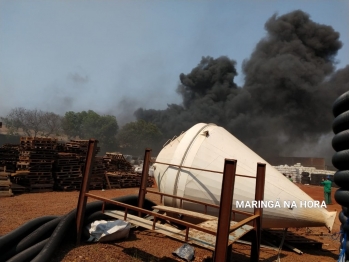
column 185, row 212
column 194, row 237
column 7, row 193
column 5, row 183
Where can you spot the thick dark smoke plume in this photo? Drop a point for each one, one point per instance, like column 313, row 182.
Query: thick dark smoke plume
column 284, row 107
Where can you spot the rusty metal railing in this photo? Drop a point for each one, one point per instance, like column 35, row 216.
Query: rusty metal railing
column 225, row 208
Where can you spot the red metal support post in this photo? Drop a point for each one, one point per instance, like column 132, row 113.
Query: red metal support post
column 224, row 217
column 144, row 182
column 257, row 223
column 80, row 210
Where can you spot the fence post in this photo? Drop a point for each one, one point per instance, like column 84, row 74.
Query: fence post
column 225, row 208
column 80, row 210
column 144, row 181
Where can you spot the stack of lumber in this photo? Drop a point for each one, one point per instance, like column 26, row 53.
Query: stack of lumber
column 79, row 147
column 117, row 162
column 97, row 173
column 120, row 173
column 9, row 157
column 20, row 182
column 5, row 184
column 67, row 172
column 70, row 164
column 113, row 179
column 124, row 180
column 37, row 155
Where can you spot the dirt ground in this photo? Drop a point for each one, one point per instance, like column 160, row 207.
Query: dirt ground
column 144, row 245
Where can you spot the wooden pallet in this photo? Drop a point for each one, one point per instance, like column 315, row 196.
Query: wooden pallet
column 5, row 184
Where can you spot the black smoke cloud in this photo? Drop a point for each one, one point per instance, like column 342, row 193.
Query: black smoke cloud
column 285, row 104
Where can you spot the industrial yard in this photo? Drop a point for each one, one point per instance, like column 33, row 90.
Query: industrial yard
column 143, row 245
column 241, row 111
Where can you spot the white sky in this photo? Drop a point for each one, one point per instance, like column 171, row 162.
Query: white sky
column 80, row 55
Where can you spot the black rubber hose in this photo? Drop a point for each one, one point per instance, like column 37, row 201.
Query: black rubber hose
column 38, row 235
column 344, row 228
column 341, row 178
column 342, row 197
column 341, row 104
column 340, row 160
column 56, row 237
column 16, row 235
column 29, row 253
column 341, row 123
column 341, row 141
column 69, row 220
column 33, row 238
column 342, row 218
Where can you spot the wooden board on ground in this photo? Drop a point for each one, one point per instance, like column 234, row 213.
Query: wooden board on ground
column 185, row 212
column 195, row 236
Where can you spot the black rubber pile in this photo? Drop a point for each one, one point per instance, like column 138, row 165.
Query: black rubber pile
column 340, row 160
column 38, row 239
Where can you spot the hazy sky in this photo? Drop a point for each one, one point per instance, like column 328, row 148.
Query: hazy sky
column 115, row 56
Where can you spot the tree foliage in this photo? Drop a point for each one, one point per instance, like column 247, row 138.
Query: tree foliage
column 134, row 137
column 32, row 122
column 89, row 124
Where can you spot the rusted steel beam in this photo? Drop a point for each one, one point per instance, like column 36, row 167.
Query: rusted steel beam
column 257, row 223
column 224, row 217
column 144, row 182
column 242, row 223
column 260, row 182
column 200, row 169
column 80, row 210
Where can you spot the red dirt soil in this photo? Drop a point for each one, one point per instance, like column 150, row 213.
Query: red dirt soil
column 144, row 245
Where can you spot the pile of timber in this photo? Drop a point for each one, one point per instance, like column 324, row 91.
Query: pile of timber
column 9, row 157
column 67, row 172
column 120, row 173
column 124, row 180
column 117, row 162
column 70, row 165
column 97, row 178
column 79, row 147
column 5, row 184
column 36, row 158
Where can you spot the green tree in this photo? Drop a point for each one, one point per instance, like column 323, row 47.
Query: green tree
column 134, row 137
column 72, row 124
column 89, row 124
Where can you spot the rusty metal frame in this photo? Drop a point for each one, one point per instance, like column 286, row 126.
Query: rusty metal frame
column 144, row 181
column 80, row 210
column 257, row 223
column 222, row 250
column 224, row 216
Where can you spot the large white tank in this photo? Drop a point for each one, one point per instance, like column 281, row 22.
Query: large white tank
column 206, row 146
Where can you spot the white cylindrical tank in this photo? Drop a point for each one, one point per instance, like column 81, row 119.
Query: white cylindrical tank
column 206, row 146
